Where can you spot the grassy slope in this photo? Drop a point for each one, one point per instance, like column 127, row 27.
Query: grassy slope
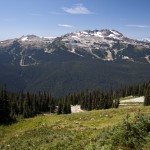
column 74, row 131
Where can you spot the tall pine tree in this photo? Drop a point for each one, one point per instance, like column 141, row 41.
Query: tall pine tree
column 147, row 96
column 4, row 107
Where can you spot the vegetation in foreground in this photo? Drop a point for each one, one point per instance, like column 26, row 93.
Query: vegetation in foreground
column 95, row 130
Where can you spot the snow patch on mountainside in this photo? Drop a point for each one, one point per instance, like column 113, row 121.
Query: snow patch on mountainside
column 109, row 55
column 24, row 39
column 125, row 57
column 48, row 37
column 148, row 58
column 99, row 34
column 146, row 39
column 73, row 51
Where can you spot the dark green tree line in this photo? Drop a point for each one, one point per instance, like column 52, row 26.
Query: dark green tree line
column 26, row 104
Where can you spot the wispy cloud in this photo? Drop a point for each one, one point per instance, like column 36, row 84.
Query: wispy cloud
column 137, row 26
column 77, row 9
column 65, row 25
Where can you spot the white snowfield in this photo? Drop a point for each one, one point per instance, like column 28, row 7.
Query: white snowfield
column 24, row 39
column 76, row 109
column 134, row 100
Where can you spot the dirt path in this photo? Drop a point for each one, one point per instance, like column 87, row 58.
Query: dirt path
column 134, row 100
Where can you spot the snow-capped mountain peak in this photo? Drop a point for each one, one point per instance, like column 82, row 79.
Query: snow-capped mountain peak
column 110, row 33
column 146, row 39
column 35, row 38
column 29, row 38
column 35, row 41
column 107, row 45
column 93, row 39
column 100, row 44
column 98, row 33
column 24, row 38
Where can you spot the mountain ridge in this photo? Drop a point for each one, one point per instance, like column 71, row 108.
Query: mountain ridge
column 91, row 59
column 107, row 45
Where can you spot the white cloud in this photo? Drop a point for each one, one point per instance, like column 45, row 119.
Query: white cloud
column 65, row 25
column 137, row 26
column 77, row 9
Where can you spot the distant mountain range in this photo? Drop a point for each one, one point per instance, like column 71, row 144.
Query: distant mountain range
column 107, row 45
column 146, row 39
column 41, row 63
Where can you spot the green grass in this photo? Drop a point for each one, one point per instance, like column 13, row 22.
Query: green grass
column 66, row 132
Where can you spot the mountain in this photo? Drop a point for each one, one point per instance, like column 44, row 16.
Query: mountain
column 23, row 51
column 146, row 39
column 75, row 61
column 107, row 45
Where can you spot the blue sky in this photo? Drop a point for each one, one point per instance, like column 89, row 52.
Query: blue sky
column 57, row 17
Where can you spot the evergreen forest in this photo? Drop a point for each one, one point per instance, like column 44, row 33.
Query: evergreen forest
column 26, row 104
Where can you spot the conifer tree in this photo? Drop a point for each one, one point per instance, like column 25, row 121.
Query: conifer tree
column 52, row 105
column 147, row 96
column 64, row 108
column 27, row 110
column 68, row 108
column 2, row 117
column 4, row 107
column 26, row 113
column 59, row 109
column 12, row 111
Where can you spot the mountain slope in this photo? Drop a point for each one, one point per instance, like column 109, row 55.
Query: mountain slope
column 105, row 44
column 61, row 78
column 108, row 45
column 73, row 62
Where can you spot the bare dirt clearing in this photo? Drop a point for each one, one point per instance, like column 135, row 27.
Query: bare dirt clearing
column 76, row 109
column 132, row 101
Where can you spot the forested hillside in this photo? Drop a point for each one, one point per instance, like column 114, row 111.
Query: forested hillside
column 90, row 59
column 25, row 105
column 61, row 78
